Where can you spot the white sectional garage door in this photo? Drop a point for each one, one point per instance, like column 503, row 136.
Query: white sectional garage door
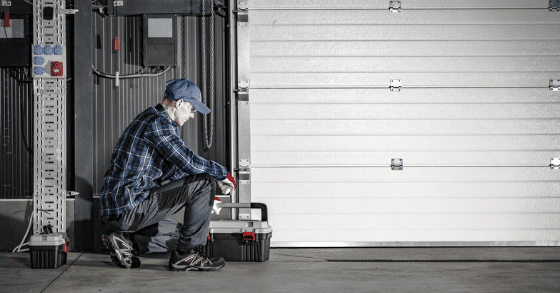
column 474, row 122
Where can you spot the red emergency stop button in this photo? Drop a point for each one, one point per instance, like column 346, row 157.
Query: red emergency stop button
column 56, row 68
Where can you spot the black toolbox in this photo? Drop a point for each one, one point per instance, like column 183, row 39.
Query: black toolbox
column 48, row 250
column 240, row 240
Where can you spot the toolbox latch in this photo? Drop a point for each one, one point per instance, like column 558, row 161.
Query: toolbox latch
column 249, row 236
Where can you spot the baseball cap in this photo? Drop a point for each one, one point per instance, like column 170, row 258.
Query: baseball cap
column 188, row 91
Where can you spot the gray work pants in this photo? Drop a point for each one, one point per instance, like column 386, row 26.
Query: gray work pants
column 149, row 224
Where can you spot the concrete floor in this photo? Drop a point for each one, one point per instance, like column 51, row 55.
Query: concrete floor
column 495, row 269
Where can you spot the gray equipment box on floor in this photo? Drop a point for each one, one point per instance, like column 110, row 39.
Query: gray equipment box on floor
column 236, row 240
column 48, row 250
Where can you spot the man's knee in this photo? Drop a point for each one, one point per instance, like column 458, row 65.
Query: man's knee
column 202, row 177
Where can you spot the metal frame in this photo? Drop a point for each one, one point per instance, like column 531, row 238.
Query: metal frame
column 243, row 107
column 232, row 95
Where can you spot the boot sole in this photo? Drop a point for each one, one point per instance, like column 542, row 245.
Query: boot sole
column 174, row 269
column 116, row 256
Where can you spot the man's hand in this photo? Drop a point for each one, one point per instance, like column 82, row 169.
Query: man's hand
column 216, row 208
column 227, row 185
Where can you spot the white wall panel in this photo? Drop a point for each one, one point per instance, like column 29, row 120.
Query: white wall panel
column 412, row 4
column 475, row 122
column 458, row 32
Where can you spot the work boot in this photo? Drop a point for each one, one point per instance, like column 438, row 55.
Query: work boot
column 194, row 260
column 121, row 250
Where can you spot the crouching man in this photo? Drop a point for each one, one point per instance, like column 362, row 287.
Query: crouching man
column 136, row 207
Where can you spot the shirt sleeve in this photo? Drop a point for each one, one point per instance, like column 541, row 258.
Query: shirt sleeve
column 163, row 137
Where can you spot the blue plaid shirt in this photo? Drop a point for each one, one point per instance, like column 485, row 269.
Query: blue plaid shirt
column 149, row 152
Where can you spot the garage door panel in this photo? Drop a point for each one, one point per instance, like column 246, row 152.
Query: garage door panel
column 401, row 64
column 400, row 111
column 406, row 17
column 475, row 121
column 402, row 127
column 377, row 224
column 416, row 237
column 382, row 4
column 459, row 80
column 455, row 206
column 404, row 190
column 415, row 96
column 391, row 48
column 410, row 143
column 400, row 32
column 481, row 158
column 352, row 175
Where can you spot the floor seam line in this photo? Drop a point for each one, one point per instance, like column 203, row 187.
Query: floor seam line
column 61, row 273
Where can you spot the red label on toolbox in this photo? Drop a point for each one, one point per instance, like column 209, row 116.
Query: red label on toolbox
column 248, row 236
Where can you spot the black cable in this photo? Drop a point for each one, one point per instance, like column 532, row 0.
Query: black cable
column 11, row 70
column 30, row 150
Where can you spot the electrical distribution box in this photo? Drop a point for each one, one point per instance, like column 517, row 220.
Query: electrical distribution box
column 160, row 40
column 14, row 31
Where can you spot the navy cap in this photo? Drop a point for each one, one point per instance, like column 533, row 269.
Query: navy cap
column 186, row 90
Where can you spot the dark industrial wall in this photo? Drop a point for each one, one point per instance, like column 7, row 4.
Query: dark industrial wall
column 116, row 107
column 16, row 123
column 112, row 108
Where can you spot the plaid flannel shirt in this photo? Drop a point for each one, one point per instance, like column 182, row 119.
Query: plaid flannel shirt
column 149, row 152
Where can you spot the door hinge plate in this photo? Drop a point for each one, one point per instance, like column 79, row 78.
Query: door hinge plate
column 555, row 163
column 395, row 85
column 554, row 5
column 554, row 84
column 395, row 6
column 396, row 164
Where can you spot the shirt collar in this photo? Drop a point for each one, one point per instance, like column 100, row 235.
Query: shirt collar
column 161, row 111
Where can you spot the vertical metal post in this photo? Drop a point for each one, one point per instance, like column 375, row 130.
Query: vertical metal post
column 243, row 81
column 84, row 104
column 232, row 95
column 49, row 90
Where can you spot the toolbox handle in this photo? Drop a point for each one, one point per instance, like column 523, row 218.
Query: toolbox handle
column 253, row 205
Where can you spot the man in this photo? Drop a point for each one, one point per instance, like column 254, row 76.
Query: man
column 135, row 206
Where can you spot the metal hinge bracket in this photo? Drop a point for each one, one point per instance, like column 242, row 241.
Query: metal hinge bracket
column 243, row 86
column 244, row 171
column 555, row 163
column 396, row 164
column 244, row 164
column 395, row 6
column 243, row 91
column 118, row 3
column 554, row 5
column 242, row 6
column 554, row 85
column 395, row 85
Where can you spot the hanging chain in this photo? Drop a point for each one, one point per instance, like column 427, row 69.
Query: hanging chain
column 208, row 139
column 183, row 43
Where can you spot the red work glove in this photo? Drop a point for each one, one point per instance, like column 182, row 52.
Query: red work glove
column 227, row 185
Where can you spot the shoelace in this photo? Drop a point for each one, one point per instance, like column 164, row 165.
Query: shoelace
column 200, row 251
